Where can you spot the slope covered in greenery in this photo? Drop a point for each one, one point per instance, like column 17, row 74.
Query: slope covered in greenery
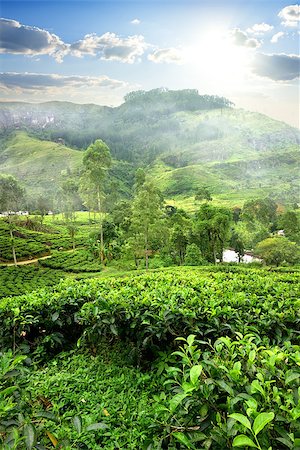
column 184, row 140
column 40, row 164
column 102, row 365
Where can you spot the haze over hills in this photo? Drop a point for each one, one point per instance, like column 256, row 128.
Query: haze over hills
column 183, row 139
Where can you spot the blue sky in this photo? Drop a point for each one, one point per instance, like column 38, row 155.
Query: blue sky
column 96, row 51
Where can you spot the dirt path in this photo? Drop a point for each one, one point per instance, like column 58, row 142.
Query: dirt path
column 31, row 261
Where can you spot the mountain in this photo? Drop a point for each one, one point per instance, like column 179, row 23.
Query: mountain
column 183, row 139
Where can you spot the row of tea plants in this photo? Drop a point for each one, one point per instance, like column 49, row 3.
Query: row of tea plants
column 173, row 359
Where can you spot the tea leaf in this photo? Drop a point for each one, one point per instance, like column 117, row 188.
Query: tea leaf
column 52, row 438
column 77, row 424
column 261, row 421
column 97, row 426
column 30, row 436
column 243, row 441
column 242, row 419
column 195, row 373
column 183, row 439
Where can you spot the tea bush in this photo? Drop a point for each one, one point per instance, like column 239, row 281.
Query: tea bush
column 228, row 393
column 18, row 280
column 233, row 382
column 77, row 261
column 151, row 310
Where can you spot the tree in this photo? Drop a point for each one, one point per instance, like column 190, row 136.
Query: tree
column 212, row 226
column 237, row 244
column 146, row 212
column 43, row 205
column 193, row 256
column 278, row 250
column 261, row 209
column 180, row 226
column 11, row 196
column 70, row 198
column 96, row 162
column 203, row 193
column 140, row 178
column 289, row 222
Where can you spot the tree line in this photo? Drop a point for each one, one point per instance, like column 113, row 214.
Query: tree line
column 145, row 226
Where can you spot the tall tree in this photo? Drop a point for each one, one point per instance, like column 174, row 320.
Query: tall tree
column 212, row 226
column 261, row 209
column 146, row 212
column 11, row 196
column 96, row 162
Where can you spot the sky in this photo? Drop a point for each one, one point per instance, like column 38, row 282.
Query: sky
column 96, row 51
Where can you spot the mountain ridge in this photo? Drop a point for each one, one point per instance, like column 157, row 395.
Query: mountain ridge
column 230, row 150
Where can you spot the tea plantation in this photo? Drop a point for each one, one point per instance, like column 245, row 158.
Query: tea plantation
column 181, row 358
column 33, row 240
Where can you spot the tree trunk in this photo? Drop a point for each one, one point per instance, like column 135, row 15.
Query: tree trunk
column 101, row 228
column 146, row 250
column 12, row 241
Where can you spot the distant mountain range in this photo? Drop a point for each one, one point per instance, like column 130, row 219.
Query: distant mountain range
column 183, row 140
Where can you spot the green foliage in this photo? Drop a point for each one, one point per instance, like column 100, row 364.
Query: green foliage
column 240, row 155
column 19, row 280
column 290, row 223
column 193, row 256
column 229, row 393
column 234, row 378
column 31, row 241
column 203, row 193
column 11, row 193
column 76, row 261
column 90, row 402
column 263, row 210
column 212, row 228
column 149, row 310
column 278, row 250
column 146, row 217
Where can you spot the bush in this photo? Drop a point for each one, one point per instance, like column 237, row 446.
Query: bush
column 278, row 250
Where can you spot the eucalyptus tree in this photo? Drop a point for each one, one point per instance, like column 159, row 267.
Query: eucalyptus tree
column 212, row 228
column 96, row 162
column 146, row 215
column 11, row 196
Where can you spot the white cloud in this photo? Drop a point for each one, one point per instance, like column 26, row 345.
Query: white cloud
column 43, row 82
column 21, row 39
column 276, row 37
column 109, row 46
column 241, row 38
column 16, row 38
column 290, row 15
column 278, row 67
column 260, row 28
column 167, row 55
column 135, row 22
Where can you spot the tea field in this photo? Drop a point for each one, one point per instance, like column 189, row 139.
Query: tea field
column 77, row 261
column 18, row 280
column 181, row 358
column 33, row 240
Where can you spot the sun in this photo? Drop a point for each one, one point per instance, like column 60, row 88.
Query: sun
column 214, row 55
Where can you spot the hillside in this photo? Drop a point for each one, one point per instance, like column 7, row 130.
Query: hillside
column 42, row 165
column 184, row 140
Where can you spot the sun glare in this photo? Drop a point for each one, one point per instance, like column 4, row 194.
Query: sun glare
column 218, row 59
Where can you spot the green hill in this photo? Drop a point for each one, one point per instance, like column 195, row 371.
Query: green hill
column 182, row 139
column 39, row 164
column 42, row 165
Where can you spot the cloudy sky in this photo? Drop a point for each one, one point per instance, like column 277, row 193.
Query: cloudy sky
column 97, row 51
